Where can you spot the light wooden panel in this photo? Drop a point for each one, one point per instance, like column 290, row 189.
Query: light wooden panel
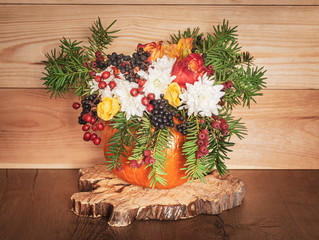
column 283, row 39
column 170, row 2
column 37, row 132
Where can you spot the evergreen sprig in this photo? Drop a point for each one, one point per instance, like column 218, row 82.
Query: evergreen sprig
column 101, row 37
column 64, row 70
column 161, row 140
column 194, row 168
column 121, row 140
column 186, row 34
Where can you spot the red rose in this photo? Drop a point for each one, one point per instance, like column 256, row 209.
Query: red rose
column 189, row 69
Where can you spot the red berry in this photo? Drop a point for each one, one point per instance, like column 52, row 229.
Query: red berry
column 93, row 120
column 203, row 149
column 147, row 153
column 133, row 164
column 222, row 120
column 112, row 85
column 152, row 160
column 206, row 138
column 94, row 127
column 76, row 105
column 224, row 86
column 201, row 136
column 225, row 132
column 102, row 85
column 147, row 160
column 210, row 67
column 84, row 116
column 215, row 125
column 98, row 54
column 229, row 84
column 93, row 64
column 221, row 103
column 92, row 74
column 100, row 126
column 145, row 101
column 93, row 136
column 200, row 143
column 150, row 108
column 86, row 136
column 86, row 127
column 85, row 64
column 224, row 126
column 98, row 78
column 141, row 82
column 140, row 90
column 134, row 92
column 199, row 154
column 106, row 75
column 88, row 118
column 206, row 143
column 204, row 131
column 201, row 121
column 151, row 96
column 97, row 141
column 215, row 117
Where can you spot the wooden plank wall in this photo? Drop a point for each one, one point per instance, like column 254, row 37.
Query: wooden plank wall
column 37, row 132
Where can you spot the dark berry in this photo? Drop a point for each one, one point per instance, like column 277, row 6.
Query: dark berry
column 199, row 38
column 181, row 118
column 204, row 55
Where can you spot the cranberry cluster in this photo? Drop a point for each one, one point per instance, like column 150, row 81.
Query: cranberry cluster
column 89, row 119
column 220, row 124
column 147, row 159
column 228, row 84
column 202, row 143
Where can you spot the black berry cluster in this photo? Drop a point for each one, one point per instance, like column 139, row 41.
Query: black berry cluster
column 161, row 116
column 87, row 104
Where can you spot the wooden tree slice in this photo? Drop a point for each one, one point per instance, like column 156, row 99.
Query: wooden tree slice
column 105, row 195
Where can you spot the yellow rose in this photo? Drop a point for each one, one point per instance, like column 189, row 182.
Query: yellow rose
column 172, row 94
column 108, row 108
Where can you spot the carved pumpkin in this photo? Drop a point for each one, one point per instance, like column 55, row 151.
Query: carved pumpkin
column 139, row 176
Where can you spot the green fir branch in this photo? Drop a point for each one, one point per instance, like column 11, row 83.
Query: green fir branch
column 186, row 34
column 194, row 168
column 161, row 139
column 121, row 140
column 101, row 37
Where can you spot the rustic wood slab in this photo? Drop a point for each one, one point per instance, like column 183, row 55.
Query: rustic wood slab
column 106, row 195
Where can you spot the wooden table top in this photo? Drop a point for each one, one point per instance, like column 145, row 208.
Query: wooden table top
column 279, row 204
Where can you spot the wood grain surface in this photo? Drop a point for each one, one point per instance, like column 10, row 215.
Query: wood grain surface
column 168, row 2
column 280, row 38
column 37, row 132
column 35, row 204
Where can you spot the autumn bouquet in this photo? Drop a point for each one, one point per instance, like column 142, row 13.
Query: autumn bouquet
column 164, row 112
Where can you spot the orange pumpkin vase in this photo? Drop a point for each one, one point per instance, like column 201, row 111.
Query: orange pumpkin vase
column 139, row 176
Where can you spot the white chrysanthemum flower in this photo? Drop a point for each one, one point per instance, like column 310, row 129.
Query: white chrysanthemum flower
column 202, row 97
column 132, row 106
column 158, row 76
